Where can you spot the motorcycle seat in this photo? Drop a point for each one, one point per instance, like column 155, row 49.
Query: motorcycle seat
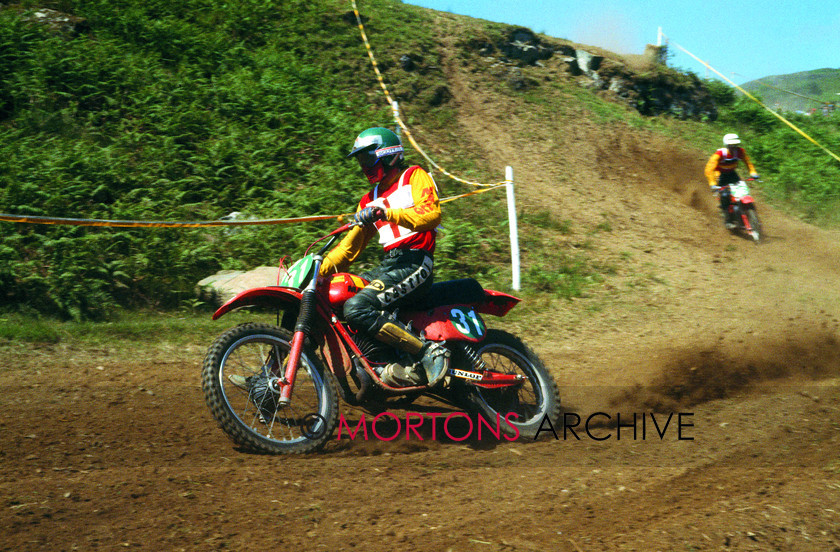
column 451, row 292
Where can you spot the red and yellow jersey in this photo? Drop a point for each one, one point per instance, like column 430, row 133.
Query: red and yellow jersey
column 412, row 215
column 724, row 160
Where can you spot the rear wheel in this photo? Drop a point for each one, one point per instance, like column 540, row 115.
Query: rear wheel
column 237, row 370
column 521, row 409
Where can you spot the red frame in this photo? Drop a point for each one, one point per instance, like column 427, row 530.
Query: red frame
column 338, row 345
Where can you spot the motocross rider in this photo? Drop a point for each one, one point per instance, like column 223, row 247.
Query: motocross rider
column 404, row 210
column 720, row 171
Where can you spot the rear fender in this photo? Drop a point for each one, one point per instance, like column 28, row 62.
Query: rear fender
column 746, row 201
column 272, row 296
column 449, row 322
column 496, row 303
column 462, row 321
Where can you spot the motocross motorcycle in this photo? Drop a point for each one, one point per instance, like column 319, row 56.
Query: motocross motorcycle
column 742, row 215
column 275, row 388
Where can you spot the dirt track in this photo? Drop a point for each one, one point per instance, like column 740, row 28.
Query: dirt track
column 102, row 452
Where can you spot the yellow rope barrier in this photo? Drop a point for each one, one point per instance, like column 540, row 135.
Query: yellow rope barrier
column 397, row 118
column 756, row 100
column 158, row 224
column 474, row 192
column 30, row 219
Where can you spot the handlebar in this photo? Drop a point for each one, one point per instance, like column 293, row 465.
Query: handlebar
column 719, row 187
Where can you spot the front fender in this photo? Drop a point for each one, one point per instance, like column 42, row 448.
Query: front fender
column 271, row 296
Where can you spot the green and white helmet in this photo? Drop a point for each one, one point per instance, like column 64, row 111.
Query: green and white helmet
column 378, row 150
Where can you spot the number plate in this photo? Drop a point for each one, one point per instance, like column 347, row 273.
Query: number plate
column 298, row 275
column 467, row 321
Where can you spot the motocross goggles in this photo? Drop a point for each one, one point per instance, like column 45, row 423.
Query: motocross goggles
column 367, row 158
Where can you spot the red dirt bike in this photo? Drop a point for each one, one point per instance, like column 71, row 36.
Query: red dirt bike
column 742, row 216
column 274, row 388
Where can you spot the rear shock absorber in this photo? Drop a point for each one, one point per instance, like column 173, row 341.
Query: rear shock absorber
column 472, row 356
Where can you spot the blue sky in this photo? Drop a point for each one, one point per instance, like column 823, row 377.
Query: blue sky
column 743, row 39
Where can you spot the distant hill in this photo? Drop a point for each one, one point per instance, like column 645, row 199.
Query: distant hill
column 798, row 91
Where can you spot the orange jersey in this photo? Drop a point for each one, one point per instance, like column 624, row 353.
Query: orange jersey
column 412, row 215
column 725, row 161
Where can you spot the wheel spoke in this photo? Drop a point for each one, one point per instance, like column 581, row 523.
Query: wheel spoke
column 522, row 399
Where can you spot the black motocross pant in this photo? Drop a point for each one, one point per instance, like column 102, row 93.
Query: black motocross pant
column 404, row 277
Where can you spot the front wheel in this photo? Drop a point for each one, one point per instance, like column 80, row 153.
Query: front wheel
column 235, row 377
column 522, row 409
column 755, row 225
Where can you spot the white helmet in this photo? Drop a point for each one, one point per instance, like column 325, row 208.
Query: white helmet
column 731, row 140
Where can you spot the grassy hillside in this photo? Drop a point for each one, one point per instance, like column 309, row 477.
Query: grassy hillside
column 176, row 111
column 153, row 110
column 798, row 91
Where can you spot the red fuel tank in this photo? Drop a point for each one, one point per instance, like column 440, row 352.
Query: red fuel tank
column 343, row 286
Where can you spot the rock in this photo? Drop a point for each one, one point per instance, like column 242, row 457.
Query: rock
column 651, row 88
column 58, row 22
column 588, row 63
column 518, row 81
column 407, row 63
column 572, row 65
column 439, row 96
column 525, row 47
column 651, row 93
column 619, row 86
column 225, row 284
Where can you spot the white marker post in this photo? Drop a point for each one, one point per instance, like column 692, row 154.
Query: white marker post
column 514, row 233
column 395, row 108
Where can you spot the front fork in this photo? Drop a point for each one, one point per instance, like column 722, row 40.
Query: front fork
column 303, row 326
column 743, row 212
column 740, row 212
column 745, row 221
